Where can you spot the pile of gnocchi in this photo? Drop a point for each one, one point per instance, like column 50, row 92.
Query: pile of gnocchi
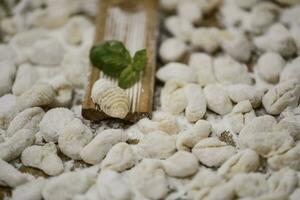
column 226, row 123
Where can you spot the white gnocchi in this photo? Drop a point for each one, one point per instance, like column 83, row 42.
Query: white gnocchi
column 244, row 161
column 212, row 152
column 269, row 66
column 73, row 137
column 10, row 176
column 96, row 150
column 63, row 187
column 206, row 39
column 181, row 164
column 217, row 99
column 53, row 122
column 203, row 65
column 27, row 119
column 177, row 71
column 7, row 75
column 173, row 99
column 119, row 158
column 196, row 102
column 106, row 183
column 250, row 185
column 150, row 179
column 282, row 41
column 26, row 77
column 15, row 145
column 179, row 27
column 31, row 190
column 44, row 158
column 111, row 99
column 172, row 50
column 229, row 71
column 156, row 144
column 186, row 140
column 161, row 121
column 41, row 94
column 241, row 92
column 288, row 158
column 279, row 97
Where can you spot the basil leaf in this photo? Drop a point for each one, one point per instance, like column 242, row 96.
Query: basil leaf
column 128, row 78
column 114, row 59
column 110, row 56
column 139, row 60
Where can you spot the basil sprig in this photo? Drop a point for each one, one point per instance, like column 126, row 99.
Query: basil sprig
column 114, row 59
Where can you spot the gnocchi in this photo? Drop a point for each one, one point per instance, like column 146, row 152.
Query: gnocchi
column 283, row 182
column 96, row 150
column 267, row 144
column 212, row 152
column 26, row 77
column 203, row 65
column 290, row 124
column 31, row 190
column 106, row 183
column 156, row 144
column 177, row 71
column 269, row 66
column 181, row 164
column 179, row 27
column 161, row 121
column 250, row 185
column 15, row 145
column 237, row 45
column 41, row 94
column 190, row 11
column 173, row 99
column 73, row 137
column 10, row 176
column 186, row 140
column 119, row 158
column 242, row 92
column 44, row 158
column 7, row 75
column 242, row 114
column 279, row 97
column 196, row 102
column 282, row 41
column 291, row 71
column 228, row 71
column 217, row 99
column 46, row 52
column 244, row 161
column 288, row 158
column 149, row 179
column 63, row 187
column 53, row 122
column 206, row 39
column 27, row 119
column 111, row 99
column 172, row 50
column 262, row 16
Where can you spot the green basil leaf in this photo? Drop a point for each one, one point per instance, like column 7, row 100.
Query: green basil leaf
column 110, row 56
column 139, row 60
column 128, row 78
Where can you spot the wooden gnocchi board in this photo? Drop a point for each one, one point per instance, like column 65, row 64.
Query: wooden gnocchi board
column 134, row 22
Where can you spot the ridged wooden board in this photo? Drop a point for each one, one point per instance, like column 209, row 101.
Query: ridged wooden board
column 134, row 22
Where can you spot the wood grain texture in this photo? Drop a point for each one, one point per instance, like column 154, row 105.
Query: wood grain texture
column 134, row 22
